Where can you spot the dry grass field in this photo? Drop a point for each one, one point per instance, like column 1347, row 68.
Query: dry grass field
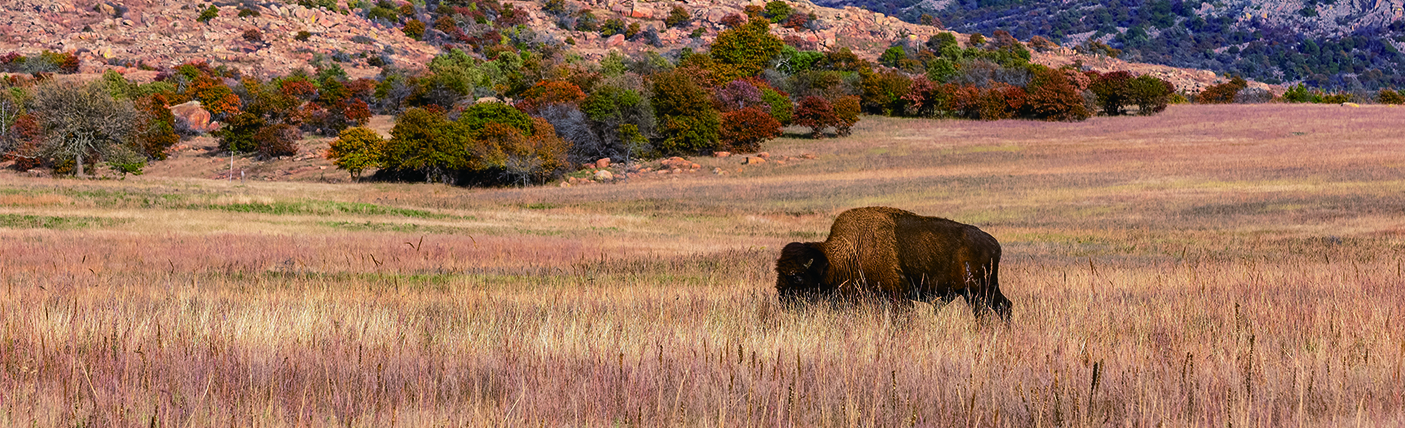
column 1211, row 266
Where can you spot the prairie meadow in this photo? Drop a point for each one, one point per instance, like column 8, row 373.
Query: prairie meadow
column 1231, row 265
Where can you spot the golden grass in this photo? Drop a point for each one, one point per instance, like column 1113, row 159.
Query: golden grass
column 1209, row 266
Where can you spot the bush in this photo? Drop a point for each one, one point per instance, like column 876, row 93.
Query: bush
column 209, row 13
column 302, row 36
column 214, row 95
column 612, row 27
column 883, row 91
column 477, row 116
column 25, row 143
column 446, row 24
column 744, row 130
column 1389, row 96
column 733, row 20
column 782, row 109
column 573, row 126
column 536, row 155
column 1150, row 94
column 417, row 148
column 383, row 11
column 737, row 95
column 414, row 29
column 976, row 40
column 1253, row 96
column 586, row 21
column 355, row 150
column 1052, row 96
column 1113, row 92
column 548, row 93
column 817, row 114
column 777, row 10
column 995, row 103
column 1222, row 93
column 277, row 140
column 253, row 35
column 846, row 109
column 158, row 131
column 677, row 17
column 748, row 48
column 891, row 56
column 1042, row 44
column 237, row 134
column 797, row 21
column 689, row 122
column 244, row 13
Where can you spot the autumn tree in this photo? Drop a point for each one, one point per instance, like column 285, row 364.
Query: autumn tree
column 688, row 120
column 744, row 130
column 355, row 150
column 816, row 113
column 749, row 48
column 1052, row 96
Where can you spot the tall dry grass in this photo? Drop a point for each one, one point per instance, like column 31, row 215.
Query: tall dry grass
column 1153, row 285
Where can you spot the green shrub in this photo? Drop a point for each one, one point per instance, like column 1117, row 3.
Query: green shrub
column 1301, row 94
column 777, row 10
column 677, row 17
column 209, row 13
column 749, row 48
column 1150, row 94
column 782, row 109
column 883, row 92
column 689, row 121
column 892, row 56
column 302, row 36
column 612, row 27
column 1113, row 92
column 355, row 150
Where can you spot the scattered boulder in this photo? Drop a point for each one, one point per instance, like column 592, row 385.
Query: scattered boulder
column 753, row 161
column 602, row 163
column 194, row 115
column 604, row 175
column 763, row 155
column 721, row 154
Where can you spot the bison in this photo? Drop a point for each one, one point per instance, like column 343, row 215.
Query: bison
column 898, row 255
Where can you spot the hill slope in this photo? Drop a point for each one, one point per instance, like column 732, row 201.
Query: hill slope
column 1342, row 44
column 165, row 33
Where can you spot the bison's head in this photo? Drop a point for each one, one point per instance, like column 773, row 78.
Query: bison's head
column 800, row 273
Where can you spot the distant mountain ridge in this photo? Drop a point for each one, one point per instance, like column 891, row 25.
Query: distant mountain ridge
column 1333, row 44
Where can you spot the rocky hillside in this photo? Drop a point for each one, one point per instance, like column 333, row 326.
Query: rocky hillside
column 164, row 33
column 154, row 34
column 1335, row 44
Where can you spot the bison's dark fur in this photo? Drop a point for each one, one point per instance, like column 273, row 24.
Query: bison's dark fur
column 898, row 255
